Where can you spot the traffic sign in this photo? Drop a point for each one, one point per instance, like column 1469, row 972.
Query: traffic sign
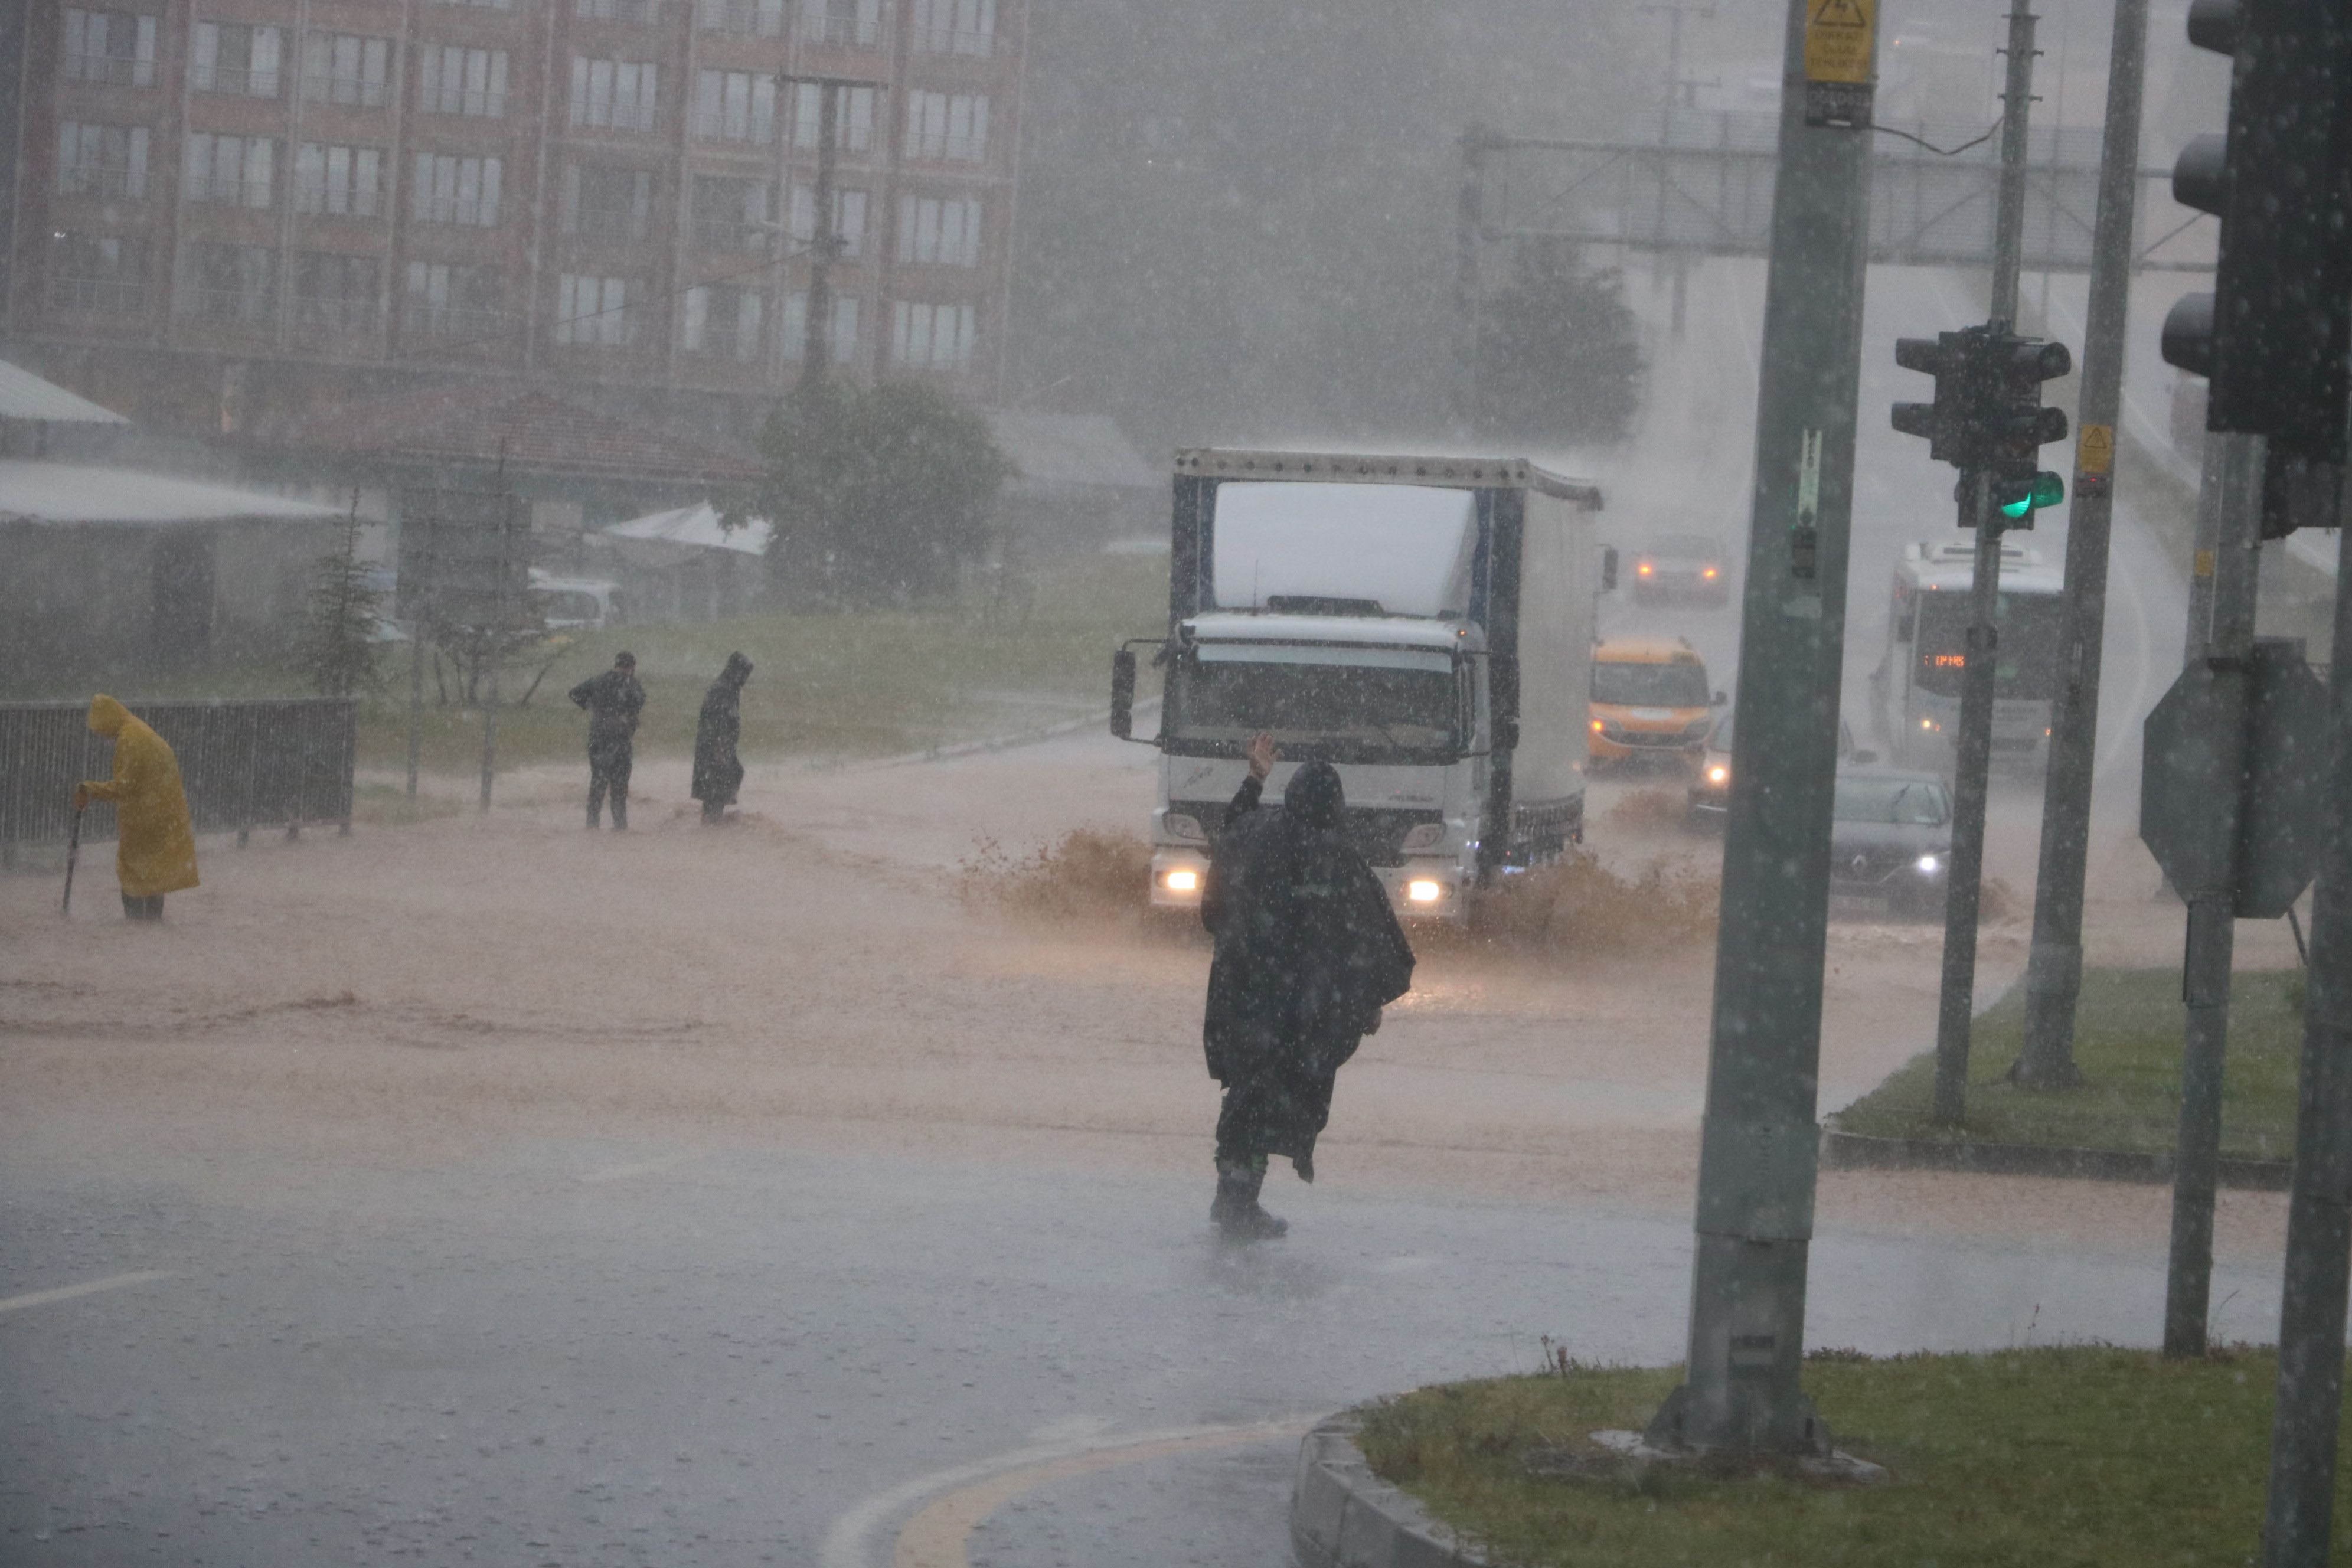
column 1841, row 51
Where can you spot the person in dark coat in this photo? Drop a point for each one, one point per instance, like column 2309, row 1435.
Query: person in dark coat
column 1308, row 951
column 614, row 700
column 718, row 772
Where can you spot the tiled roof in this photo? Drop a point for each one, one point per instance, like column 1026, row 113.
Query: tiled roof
column 532, row 430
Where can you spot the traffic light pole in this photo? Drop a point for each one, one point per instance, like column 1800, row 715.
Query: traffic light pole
column 2053, row 974
column 2222, row 636
column 1956, row 1000
column 2298, row 1521
column 1759, row 1141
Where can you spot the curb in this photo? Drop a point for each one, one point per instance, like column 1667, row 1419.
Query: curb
column 1343, row 1516
column 949, row 750
column 1844, row 1151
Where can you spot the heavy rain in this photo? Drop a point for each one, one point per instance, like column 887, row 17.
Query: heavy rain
column 1019, row 784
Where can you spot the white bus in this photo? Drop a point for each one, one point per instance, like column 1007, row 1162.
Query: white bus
column 1915, row 690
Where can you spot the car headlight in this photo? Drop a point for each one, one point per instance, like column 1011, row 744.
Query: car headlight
column 1709, row 573
column 1598, row 726
column 1929, row 724
column 1718, row 775
column 1183, row 880
column 1928, row 864
column 1425, row 836
column 1423, row 890
column 1179, row 825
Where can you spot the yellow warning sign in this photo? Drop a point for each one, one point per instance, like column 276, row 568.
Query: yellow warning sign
column 2095, row 458
column 1840, row 38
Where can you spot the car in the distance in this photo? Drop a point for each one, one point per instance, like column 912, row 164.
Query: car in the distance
column 1649, row 700
column 1891, row 838
column 1690, row 567
column 1710, row 786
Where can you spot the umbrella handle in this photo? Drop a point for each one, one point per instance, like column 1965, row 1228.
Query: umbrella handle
column 73, row 853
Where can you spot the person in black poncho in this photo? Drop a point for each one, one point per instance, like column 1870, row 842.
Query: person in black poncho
column 1307, row 952
column 613, row 700
column 718, row 772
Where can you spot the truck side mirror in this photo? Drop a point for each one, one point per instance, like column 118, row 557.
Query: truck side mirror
column 1607, row 568
column 1122, row 694
column 1506, row 734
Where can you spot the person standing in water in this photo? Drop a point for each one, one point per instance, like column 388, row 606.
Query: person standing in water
column 718, row 771
column 155, row 848
column 1308, row 951
column 613, row 700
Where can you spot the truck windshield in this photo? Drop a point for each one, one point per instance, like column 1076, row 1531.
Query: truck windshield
column 1650, row 685
column 2030, row 627
column 1344, row 704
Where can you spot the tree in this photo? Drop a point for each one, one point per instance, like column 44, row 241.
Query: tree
column 878, row 493
column 338, row 648
column 1560, row 354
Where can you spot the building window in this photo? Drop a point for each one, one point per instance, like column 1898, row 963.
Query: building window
column 480, row 5
column 101, row 160
column 446, row 301
column 848, row 219
column 617, row 95
column 843, row 24
column 949, row 127
column 116, row 46
column 450, row 189
column 344, row 68
column 455, row 80
column 734, row 106
column 341, row 181
column 98, row 272
column 644, row 13
column 751, row 19
column 606, row 202
column 938, row 231
column 722, row 321
column 336, row 293
column 593, row 313
column 932, row 337
column 731, row 214
column 844, row 328
column 854, row 132
column 235, row 170
column 954, row 27
column 236, row 284
column 235, row 58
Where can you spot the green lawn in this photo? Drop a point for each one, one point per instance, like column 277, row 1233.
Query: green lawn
column 824, row 684
column 2036, row 1459
column 2128, row 1044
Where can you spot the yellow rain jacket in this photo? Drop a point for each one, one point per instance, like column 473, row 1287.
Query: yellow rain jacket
column 157, row 850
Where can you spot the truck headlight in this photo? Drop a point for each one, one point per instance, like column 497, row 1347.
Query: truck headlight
column 1179, row 825
column 1718, row 774
column 1423, row 890
column 1181, row 880
column 1928, row 864
column 1425, row 836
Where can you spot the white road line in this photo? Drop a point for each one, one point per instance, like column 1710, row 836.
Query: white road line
column 850, row 1542
column 638, row 1168
column 89, row 1287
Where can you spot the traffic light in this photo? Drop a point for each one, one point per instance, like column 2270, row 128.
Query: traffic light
column 2019, row 500
column 1954, row 423
column 2021, row 426
column 2273, row 335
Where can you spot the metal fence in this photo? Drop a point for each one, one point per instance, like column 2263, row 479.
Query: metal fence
column 267, row 762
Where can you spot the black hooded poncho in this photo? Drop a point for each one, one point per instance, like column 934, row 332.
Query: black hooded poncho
column 1307, row 951
column 718, row 772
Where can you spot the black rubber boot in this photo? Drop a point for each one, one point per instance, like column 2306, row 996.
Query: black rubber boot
column 1235, row 1211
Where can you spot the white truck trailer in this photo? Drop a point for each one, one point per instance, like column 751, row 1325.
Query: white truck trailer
column 1425, row 624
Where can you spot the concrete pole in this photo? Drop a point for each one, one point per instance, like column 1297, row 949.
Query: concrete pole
column 816, row 349
column 1963, row 881
column 2298, row 1521
column 1758, row 1139
column 2221, row 638
column 2053, row 974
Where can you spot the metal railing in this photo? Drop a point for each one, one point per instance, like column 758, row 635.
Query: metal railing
column 243, row 307
column 325, row 87
column 102, row 180
column 266, row 763
column 122, row 70
column 70, row 292
column 243, row 81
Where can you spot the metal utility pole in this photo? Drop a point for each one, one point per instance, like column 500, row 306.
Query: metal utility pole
column 2220, row 638
column 1759, row 1141
column 1956, row 1006
column 824, row 243
column 2298, row 1521
column 2053, row 974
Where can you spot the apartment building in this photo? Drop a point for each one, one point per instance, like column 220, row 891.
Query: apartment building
column 229, row 209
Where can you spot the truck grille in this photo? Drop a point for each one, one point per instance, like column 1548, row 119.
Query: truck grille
column 1377, row 832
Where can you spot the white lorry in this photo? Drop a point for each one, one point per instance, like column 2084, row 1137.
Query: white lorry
column 1425, row 624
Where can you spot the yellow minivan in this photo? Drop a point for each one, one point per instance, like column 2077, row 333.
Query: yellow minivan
column 1650, row 699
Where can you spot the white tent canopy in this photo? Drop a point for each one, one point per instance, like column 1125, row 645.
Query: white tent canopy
column 695, row 526
column 24, row 396
column 59, row 493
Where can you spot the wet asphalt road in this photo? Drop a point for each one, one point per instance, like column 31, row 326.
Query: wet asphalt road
column 592, row 1354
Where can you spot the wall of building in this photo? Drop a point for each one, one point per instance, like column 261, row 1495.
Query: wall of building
column 228, row 207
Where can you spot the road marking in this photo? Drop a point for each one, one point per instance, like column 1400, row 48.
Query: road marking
column 849, row 1544
column 640, row 1168
column 90, row 1288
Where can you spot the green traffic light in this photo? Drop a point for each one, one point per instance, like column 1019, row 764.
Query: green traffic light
column 2044, row 489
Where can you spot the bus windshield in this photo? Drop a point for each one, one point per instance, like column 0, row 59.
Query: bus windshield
column 1342, row 704
column 2030, row 625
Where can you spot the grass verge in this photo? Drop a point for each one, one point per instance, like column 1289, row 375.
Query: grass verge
column 2127, row 1045
column 2039, row 1458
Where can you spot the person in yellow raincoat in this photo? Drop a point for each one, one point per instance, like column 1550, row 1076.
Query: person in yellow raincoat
column 156, row 852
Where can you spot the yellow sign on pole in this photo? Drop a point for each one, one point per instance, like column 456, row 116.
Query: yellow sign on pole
column 1840, row 38
column 2095, row 458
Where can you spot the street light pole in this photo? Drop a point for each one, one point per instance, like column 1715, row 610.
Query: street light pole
column 816, row 349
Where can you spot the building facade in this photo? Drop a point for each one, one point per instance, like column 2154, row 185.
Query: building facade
column 227, row 211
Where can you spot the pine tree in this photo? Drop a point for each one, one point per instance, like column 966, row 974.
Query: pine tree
column 339, row 635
